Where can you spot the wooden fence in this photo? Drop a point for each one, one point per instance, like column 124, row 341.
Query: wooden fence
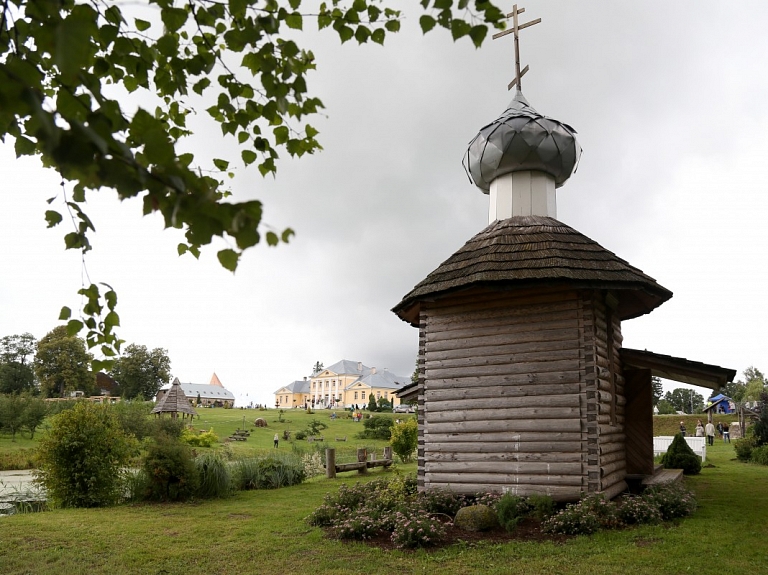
column 362, row 465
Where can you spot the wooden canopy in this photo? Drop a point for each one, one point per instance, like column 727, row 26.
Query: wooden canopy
column 175, row 402
column 678, row 368
column 532, row 251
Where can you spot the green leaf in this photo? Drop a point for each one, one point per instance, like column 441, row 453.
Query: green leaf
column 427, row 23
column 142, row 25
column 392, row 25
column 173, row 18
column 112, row 319
column 228, row 259
column 345, row 33
column 272, row 239
column 362, row 34
column 294, row 4
column 294, row 21
column 478, row 33
column 286, row 235
column 182, row 249
column 220, row 164
column 281, row 135
column 53, row 218
column 74, row 326
column 65, row 313
column 378, row 35
column 459, row 28
column 249, row 156
column 24, row 146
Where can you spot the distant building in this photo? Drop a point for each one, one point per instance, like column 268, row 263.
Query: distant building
column 343, row 384
column 213, row 394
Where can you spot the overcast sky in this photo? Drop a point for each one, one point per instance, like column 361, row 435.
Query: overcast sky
column 670, row 102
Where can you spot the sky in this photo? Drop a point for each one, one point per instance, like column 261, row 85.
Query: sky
column 669, row 102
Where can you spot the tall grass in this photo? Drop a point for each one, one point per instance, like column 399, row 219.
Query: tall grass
column 268, row 472
column 215, row 476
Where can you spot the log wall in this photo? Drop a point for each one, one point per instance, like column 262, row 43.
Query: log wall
column 521, row 392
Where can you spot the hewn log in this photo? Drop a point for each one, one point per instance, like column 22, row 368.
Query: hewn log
column 504, row 479
column 500, row 391
column 508, row 350
column 512, row 379
column 528, row 335
column 606, row 448
column 502, row 326
column 610, row 480
column 359, row 466
column 518, row 468
column 498, row 315
column 501, row 402
column 502, row 425
column 470, row 302
column 614, row 490
column 610, row 468
column 437, row 454
column 362, row 457
column 607, row 458
column 516, row 368
column 491, row 357
column 514, row 438
column 507, row 413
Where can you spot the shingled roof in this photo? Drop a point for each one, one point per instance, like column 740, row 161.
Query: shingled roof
column 175, row 401
column 528, row 251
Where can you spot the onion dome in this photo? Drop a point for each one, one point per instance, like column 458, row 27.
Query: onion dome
column 522, row 139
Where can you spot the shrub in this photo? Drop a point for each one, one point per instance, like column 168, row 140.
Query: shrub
column 168, row 426
column 199, row 439
column 573, row 520
column 511, row 509
column 313, row 464
column 638, row 511
column 681, row 456
column 744, row 447
column 170, row 469
column 442, row 501
column 606, row 511
column 760, row 455
column 476, row 518
column 215, row 479
column 270, row 472
column 81, row 456
column 673, row 500
column 542, row 506
column 134, row 418
column 413, row 530
column 405, row 439
column 301, row 435
column 377, row 427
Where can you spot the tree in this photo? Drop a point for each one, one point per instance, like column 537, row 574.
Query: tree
column 140, row 373
column 81, row 457
column 384, row 404
column 685, row 400
column 12, row 413
column 415, row 374
column 405, row 439
column 62, row 364
column 318, row 367
column 754, row 384
column 35, row 412
column 16, row 354
column 372, row 404
column 665, row 408
column 657, row 389
column 59, row 59
column 16, row 378
column 735, row 390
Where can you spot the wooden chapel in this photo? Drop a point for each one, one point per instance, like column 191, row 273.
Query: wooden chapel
column 524, row 384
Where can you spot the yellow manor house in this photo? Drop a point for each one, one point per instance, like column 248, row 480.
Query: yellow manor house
column 342, row 385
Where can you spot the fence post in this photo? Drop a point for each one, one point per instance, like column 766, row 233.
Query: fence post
column 330, row 463
column 388, row 452
column 362, row 457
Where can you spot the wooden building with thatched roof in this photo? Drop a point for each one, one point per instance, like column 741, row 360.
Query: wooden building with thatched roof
column 175, row 402
column 524, row 385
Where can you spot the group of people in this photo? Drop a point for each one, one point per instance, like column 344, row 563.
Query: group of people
column 708, row 430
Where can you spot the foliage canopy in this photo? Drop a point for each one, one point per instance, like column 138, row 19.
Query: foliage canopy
column 66, row 67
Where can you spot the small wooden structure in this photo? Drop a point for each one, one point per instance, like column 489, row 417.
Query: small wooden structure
column 175, row 402
column 362, row 465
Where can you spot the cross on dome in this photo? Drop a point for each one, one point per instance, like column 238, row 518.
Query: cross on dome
column 516, row 27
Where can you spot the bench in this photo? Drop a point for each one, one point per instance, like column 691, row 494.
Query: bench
column 341, row 439
column 662, row 442
column 315, row 438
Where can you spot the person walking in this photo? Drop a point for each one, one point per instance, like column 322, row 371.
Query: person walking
column 726, row 433
column 682, row 428
column 277, row 439
column 699, row 429
column 710, row 429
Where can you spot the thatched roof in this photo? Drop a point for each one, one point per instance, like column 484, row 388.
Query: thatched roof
column 175, row 401
column 531, row 251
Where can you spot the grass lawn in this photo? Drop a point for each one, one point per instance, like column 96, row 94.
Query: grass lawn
column 264, row 532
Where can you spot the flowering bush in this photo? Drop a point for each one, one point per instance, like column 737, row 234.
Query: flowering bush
column 442, row 501
column 415, row 529
column 313, row 464
column 511, row 509
column 575, row 519
column 607, row 512
column 355, row 525
column 672, row 499
column 639, row 510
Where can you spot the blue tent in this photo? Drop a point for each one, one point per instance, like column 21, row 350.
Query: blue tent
column 720, row 404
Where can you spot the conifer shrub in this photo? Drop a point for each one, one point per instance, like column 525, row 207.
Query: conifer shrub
column 681, row 456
